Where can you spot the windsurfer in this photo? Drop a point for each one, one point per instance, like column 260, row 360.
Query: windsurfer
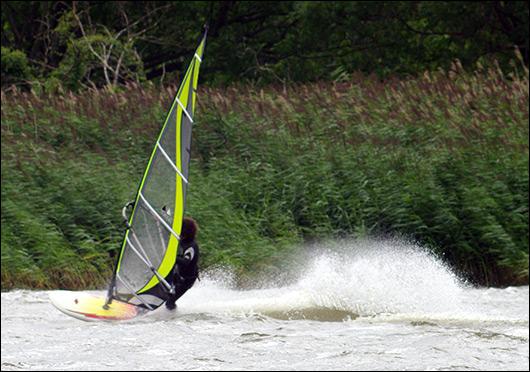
column 186, row 270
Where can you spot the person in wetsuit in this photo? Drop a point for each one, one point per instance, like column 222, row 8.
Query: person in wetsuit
column 186, row 269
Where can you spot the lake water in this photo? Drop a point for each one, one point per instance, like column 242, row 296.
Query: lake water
column 391, row 308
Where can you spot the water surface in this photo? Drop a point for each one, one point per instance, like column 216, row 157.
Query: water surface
column 387, row 309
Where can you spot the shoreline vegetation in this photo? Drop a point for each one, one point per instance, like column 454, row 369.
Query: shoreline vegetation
column 441, row 159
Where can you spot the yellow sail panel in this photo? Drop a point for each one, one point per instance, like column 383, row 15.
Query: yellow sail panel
column 197, row 61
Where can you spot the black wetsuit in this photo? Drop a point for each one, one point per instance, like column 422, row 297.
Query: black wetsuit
column 185, row 272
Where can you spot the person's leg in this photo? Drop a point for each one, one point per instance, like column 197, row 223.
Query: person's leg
column 179, row 291
column 170, row 304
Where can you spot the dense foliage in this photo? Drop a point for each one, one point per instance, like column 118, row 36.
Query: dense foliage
column 102, row 43
column 442, row 159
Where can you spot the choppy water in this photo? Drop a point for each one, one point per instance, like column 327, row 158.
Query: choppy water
column 382, row 306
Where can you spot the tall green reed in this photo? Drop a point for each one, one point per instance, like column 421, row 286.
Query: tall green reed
column 441, row 159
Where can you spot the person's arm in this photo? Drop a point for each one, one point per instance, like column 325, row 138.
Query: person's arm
column 187, row 257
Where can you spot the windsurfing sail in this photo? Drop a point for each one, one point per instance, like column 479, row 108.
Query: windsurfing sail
column 150, row 245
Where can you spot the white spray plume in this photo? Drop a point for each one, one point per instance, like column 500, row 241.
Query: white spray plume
column 362, row 277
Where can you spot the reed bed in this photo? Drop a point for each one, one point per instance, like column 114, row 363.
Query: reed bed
column 440, row 159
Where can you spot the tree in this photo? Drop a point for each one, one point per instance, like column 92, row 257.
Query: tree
column 97, row 44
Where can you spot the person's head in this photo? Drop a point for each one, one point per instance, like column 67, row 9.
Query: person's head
column 189, row 229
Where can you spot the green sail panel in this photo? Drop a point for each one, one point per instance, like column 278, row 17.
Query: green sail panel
column 151, row 242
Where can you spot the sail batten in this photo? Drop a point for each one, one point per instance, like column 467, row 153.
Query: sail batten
column 171, row 162
column 158, row 211
column 157, row 216
column 142, row 257
column 184, row 109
